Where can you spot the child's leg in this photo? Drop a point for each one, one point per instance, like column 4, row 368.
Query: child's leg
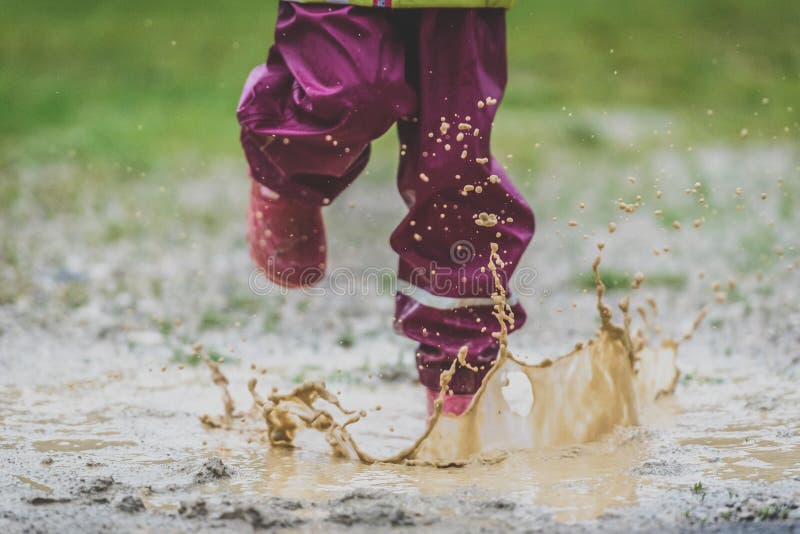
column 444, row 299
column 334, row 80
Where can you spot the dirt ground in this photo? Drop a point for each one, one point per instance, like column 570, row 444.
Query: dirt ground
column 100, row 394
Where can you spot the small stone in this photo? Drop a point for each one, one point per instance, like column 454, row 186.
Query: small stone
column 194, row 509
column 212, row 469
column 130, row 504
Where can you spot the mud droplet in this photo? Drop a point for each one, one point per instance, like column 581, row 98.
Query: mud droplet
column 638, row 278
column 486, row 219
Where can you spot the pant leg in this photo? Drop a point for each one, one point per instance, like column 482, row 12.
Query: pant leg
column 334, row 80
column 443, row 301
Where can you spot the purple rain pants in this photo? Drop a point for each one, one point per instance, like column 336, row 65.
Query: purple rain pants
column 337, row 78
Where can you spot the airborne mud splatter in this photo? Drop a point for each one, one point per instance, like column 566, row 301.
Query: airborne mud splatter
column 572, row 399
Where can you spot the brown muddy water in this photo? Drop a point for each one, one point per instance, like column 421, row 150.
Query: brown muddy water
column 570, row 399
column 129, row 440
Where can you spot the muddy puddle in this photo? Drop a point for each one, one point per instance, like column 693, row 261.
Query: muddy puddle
column 730, row 421
column 706, row 432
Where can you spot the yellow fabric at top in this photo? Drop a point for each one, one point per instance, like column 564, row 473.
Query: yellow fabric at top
column 398, row 4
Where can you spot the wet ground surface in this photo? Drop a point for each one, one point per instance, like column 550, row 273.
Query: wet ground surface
column 125, row 447
column 100, row 395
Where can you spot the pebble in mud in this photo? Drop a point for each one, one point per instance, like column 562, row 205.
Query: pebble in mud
column 194, row 509
column 364, row 507
column 261, row 520
column 212, row 469
column 130, row 504
column 759, row 508
column 97, row 485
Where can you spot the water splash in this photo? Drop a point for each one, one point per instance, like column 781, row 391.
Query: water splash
column 571, row 399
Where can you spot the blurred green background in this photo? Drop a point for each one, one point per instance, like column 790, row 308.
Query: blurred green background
column 119, row 144
column 129, row 86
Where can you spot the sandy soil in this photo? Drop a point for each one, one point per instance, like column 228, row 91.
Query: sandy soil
column 100, row 397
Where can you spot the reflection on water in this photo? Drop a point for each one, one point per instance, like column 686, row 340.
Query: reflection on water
column 578, row 482
column 767, row 451
column 74, row 445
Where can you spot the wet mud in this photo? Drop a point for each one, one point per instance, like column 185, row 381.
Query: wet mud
column 100, row 404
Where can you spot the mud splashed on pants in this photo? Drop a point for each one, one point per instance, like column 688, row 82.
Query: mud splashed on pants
column 571, row 399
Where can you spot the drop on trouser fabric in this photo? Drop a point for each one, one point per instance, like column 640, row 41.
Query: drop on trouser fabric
column 338, row 78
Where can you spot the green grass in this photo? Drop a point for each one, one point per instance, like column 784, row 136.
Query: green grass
column 700, row 489
column 129, row 86
column 346, row 339
column 194, row 358
column 757, row 249
column 213, row 319
column 617, row 280
column 75, row 295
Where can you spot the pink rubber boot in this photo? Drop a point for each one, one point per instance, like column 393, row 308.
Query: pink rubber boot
column 286, row 237
column 453, row 404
